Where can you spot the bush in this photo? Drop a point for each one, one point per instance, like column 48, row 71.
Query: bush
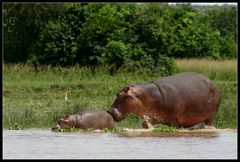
column 119, row 55
column 118, row 35
column 57, row 44
column 114, row 53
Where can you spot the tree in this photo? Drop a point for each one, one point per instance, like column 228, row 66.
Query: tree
column 224, row 19
column 22, row 24
column 57, row 44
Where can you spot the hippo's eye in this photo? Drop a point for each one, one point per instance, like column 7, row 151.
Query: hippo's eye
column 120, row 94
column 127, row 97
column 123, row 96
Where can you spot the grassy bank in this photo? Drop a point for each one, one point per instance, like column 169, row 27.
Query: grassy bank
column 216, row 70
column 37, row 98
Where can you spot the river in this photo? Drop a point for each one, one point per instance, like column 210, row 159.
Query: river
column 45, row 144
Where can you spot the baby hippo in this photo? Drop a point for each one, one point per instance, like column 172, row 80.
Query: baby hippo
column 94, row 119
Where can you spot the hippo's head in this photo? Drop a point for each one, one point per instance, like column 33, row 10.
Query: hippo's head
column 128, row 101
column 65, row 122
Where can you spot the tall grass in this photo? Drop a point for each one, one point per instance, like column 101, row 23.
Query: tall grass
column 215, row 69
column 36, row 98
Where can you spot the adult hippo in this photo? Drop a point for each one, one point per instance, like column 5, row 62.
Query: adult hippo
column 95, row 119
column 181, row 100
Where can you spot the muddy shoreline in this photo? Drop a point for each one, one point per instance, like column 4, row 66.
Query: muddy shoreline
column 179, row 133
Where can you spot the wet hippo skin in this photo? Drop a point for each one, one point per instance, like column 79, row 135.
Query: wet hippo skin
column 181, row 100
column 95, row 119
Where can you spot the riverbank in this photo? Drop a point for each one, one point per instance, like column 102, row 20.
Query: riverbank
column 178, row 133
column 37, row 98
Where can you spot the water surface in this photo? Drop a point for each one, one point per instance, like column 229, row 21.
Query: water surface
column 45, row 144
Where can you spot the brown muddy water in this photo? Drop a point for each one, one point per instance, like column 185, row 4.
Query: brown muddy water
column 45, row 144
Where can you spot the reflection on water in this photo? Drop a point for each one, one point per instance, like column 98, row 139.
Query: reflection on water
column 45, row 144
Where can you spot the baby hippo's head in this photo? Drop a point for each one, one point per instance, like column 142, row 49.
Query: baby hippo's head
column 65, row 122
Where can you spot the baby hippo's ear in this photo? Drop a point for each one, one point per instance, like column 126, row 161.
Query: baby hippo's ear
column 66, row 117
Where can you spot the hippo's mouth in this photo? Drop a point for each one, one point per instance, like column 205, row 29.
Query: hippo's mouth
column 117, row 116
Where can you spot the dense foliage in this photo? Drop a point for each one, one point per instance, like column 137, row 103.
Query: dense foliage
column 116, row 34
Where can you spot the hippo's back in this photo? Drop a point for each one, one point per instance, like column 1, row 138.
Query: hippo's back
column 184, row 80
column 189, row 94
column 96, row 119
column 186, row 83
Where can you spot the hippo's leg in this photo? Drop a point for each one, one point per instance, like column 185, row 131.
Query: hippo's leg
column 148, row 122
column 205, row 126
column 208, row 121
column 145, row 124
column 208, row 124
column 200, row 126
column 197, row 126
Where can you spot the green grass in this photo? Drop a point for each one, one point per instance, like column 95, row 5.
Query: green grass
column 89, row 130
column 164, row 128
column 225, row 70
column 36, row 98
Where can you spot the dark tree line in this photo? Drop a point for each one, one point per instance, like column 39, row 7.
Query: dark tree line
column 118, row 34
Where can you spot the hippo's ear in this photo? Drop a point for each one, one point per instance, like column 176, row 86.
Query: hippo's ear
column 66, row 117
column 128, row 89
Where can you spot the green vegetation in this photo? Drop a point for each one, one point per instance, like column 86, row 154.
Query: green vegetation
column 90, row 130
column 157, row 128
column 128, row 35
column 164, row 128
column 68, row 57
column 36, row 98
column 215, row 69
